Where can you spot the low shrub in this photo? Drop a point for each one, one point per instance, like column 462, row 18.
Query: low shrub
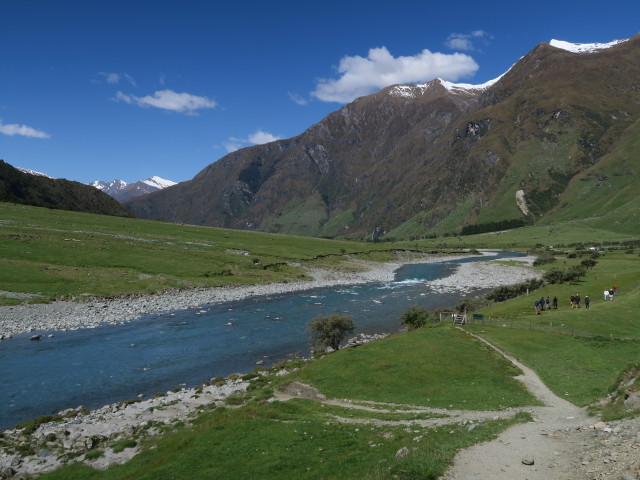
column 557, row 275
column 93, row 454
column 30, row 426
column 120, row 445
column 506, row 292
column 414, row 317
column 544, row 258
column 330, row 330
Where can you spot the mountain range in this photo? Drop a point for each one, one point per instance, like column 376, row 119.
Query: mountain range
column 123, row 191
column 28, row 187
column 554, row 138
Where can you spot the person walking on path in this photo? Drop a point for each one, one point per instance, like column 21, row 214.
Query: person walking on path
column 555, row 303
column 586, row 302
column 577, row 300
column 606, row 295
column 547, row 304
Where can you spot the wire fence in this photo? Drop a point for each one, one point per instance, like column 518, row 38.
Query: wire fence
column 561, row 329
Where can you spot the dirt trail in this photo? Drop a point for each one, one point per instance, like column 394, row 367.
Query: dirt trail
column 561, row 443
column 544, row 449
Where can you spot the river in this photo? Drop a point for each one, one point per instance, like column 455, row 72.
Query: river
column 159, row 352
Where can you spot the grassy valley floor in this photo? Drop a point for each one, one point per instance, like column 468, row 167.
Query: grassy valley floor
column 406, row 407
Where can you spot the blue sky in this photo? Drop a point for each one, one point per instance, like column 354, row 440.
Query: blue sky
column 98, row 90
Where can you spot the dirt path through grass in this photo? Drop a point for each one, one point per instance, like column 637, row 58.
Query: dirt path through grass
column 547, row 448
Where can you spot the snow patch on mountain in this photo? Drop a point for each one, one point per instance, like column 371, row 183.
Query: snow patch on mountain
column 453, row 87
column 158, row 182
column 33, row 172
column 414, row 91
column 584, row 47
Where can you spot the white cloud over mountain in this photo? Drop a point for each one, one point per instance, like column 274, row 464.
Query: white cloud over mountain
column 12, row 129
column 257, row 138
column 169, row 100
column 360, row 76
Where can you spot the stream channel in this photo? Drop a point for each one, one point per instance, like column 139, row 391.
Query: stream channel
column 159, row 352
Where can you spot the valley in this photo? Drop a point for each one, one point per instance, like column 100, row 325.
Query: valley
column 603, row 341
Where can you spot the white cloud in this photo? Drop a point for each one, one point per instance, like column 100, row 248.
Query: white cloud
column 260, row 137
column 297, row 98
column 361, row 76
column 468, row 41
column 257, row 138
column 22, row 130
column 115, row 78
column 169, row 100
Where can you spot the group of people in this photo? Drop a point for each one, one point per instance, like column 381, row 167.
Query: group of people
column 574, row 301
column 546, row 304
column 609, row 294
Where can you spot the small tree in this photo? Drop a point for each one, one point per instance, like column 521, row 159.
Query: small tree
column 330, row 330
column 415, row 317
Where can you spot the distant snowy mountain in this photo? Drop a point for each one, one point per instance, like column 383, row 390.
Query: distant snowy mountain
column 33, row 172
column 123, row 191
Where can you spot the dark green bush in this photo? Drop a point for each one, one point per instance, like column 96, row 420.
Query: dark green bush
column 330, row 330
column 544, row 258
column 557, row 275
column 589, row 263
column 414, row 317
column 506, row 292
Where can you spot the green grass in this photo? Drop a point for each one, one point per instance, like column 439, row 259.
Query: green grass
column 436, row 367
column 293, row 440
column 577, row 353
column 580, row 370
column 58, row 254
column 618, row 318
column 589, row 231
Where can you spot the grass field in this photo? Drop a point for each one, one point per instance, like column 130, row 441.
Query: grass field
column 435, row 367
column 59, row 254
column 579, row 354
column 304, row 439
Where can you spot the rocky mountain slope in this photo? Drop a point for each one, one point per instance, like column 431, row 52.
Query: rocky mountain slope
column 43, row 191
column 415, row 160
column 123, row 191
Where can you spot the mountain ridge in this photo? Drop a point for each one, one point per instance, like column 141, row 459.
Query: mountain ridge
column 405, row 166
column 18, row 186
column 123, row 191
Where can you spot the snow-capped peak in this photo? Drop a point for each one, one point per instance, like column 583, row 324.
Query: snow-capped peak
column 413, row 91
column 122, row 191
column 112, row 185
column 583, row 47
column 158, row 182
